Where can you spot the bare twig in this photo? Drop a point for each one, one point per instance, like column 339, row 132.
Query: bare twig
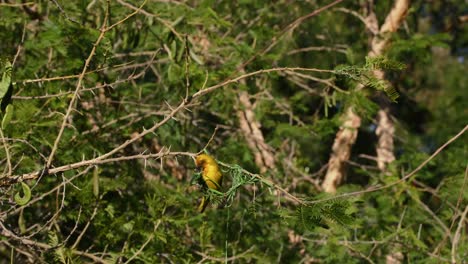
column 138, row 252
column 78, row 239
column 63, row 12
column 17, row 4
column 207, row 257
column 457, row 235
column 77, row 89
column 337, row 48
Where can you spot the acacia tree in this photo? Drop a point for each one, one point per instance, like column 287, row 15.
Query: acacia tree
column 105, row 103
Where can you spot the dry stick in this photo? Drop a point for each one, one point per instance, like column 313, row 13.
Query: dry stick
column 224, row 259
column 359, row 253
column 17, row 4
column 64, row 242
column 77, row 89
column 373, row 28
column 134, row 117
column 209, row 140
column 64, row 13
column 326, row 82
column 146, row 243
column 27, row 144
column 164, row 22
column 47, row 96
column 244, row 76
column 378, row 188
column 426, row 208
column 320, row 48
column 460, row 195
column 80, row 236
column 18, row 50
column 454, row 217
column 97, row 161
column 123, row 66
column 456, row 213
column 456, row 237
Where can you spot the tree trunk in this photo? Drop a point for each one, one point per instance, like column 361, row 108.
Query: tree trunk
column 250, row 127
column 385, row 130
column 345, row 140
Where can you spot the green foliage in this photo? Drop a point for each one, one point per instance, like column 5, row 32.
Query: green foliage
column 365, row 76
column 239, row 178
column 137, row 202
column 416, row 46
column 323, row 214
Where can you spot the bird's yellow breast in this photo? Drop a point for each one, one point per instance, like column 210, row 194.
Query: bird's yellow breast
column 210, row 171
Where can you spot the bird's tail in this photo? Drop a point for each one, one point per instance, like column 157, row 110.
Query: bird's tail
column 203, row 204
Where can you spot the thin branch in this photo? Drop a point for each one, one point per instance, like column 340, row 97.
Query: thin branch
column 162, row 21
column 211, row 139
column 77, row 89
column 138, row 252
column 456, row 237
column 352, row 12
column 20, row 46
column 232, row 258
column 306, row 49
column 78, row 239
column 250, row 74
column 445, row 229
column 63, row 12
column 324, row 81
column 17, row 4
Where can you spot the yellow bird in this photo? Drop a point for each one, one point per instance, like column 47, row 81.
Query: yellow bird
column 211, row 174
